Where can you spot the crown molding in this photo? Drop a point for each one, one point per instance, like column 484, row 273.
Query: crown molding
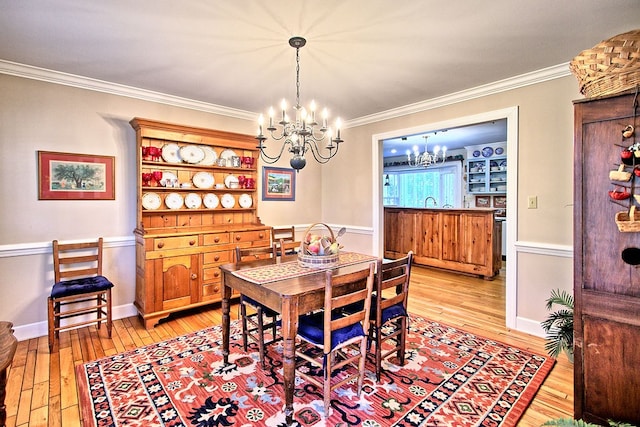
column 57, row 77
column 534, row 77
column 42, row 74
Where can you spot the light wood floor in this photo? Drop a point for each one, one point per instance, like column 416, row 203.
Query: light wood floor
column 42, row 388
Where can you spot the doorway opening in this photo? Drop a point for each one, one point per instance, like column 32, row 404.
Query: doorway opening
column 511, row 115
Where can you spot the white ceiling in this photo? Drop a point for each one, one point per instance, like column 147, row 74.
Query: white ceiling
column 362, row 56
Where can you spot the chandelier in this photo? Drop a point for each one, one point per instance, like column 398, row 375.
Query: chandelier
column 302, row 133
column 426, row 159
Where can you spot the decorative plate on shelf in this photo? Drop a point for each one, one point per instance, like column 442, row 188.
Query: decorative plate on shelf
column 174, row 201
column 192, row 201
column 227, row 155
column 191, row 154
column 231, row 181
column 211, row 201
column 171, row 153
column 476, row 153
column 151, row 201
column 499, row 150
column 203, row 180
column 210, row 156
column 228, row 201
column 245, row 200
column 487, row 151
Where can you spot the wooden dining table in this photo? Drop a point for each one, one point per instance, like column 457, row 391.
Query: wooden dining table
column 288, row 289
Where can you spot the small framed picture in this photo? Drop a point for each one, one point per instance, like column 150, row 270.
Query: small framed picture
column 483, row 201
column 500, row 202
column 67, row 176
column 278, row 184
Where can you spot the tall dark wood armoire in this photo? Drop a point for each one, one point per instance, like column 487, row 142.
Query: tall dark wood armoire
column 606, row 286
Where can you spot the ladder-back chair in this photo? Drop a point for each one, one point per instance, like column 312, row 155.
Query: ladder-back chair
column 389, row 309
column 80, row 289
column 338, row 340
column 258, row 317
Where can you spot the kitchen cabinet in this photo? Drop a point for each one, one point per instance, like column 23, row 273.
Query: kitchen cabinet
column 187, row 226
column 487, row 175
column 465, row 240
column 606, row 288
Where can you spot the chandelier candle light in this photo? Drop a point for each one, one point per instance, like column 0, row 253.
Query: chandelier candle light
column 302, row 134
column 426, row 159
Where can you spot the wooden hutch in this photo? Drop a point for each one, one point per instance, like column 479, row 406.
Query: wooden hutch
column 606, row 278
column 192, row 211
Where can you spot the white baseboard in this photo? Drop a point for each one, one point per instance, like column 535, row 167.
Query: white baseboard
column 529, row 326
column 40, row 329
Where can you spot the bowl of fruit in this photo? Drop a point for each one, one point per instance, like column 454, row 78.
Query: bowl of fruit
column 319, row 250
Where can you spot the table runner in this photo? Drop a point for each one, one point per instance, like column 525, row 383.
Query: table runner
column 274, row 272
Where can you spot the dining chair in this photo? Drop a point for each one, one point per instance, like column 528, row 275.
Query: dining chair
column 79, row 288
column 337, row 341
column 389, row 309
column 288, row 250
column 288, row 234
column 259, row 316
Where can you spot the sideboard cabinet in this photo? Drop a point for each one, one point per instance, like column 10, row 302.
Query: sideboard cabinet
column 606, row 280
column 196, row 192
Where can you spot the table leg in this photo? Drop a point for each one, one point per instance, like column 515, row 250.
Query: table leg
column 289, row 332
column 226, row 321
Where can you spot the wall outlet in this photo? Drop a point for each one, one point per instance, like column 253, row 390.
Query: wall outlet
column 532, row 202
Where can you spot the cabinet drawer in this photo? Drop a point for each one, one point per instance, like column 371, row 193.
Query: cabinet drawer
column 215, row 238
column 163, row 243
column 260, row 237
column 211, row 274
column 216, row 258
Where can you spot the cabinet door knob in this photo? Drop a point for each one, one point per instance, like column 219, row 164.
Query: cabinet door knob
column 160, row 245
column 216, row 275
column 194, row 276
column 216, row 258
column 261, row 235
column 192, row 242
column 238, row 238
column 216, row 240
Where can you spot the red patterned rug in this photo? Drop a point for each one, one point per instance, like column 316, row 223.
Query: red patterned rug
column 451, row 378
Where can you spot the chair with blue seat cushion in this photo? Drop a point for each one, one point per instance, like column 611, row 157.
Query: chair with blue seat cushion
column 80, row 289
column 331, row 340
column 389, row 309
column 258, row 317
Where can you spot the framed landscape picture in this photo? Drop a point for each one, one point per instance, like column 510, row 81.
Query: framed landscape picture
column 67, row 176
column 278, row 184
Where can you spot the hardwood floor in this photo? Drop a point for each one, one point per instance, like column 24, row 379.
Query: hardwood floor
column 41, row 388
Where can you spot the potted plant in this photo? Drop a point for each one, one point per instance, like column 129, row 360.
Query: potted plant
column 559, row 325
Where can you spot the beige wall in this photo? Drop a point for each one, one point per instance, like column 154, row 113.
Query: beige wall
column 44, row 116
column 36, row 116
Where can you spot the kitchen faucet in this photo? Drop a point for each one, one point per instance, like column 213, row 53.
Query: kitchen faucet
column 426, row 201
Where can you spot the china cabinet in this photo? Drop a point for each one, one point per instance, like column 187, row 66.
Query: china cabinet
column 487, row 175
column 197, row 201
column 606, row 281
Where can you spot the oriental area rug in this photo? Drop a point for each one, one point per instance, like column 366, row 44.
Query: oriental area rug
column 450, row 378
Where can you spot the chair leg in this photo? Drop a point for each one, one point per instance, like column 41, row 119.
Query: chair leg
column 378, row 340
column 109, row 316
column 260, row 335
column 328, row 366
column 51, row 323
column 363, row 359
column 403, row 339
column 243, row 315
column 98, row 311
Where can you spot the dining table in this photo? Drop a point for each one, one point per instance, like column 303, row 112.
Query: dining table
column 287, row 288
